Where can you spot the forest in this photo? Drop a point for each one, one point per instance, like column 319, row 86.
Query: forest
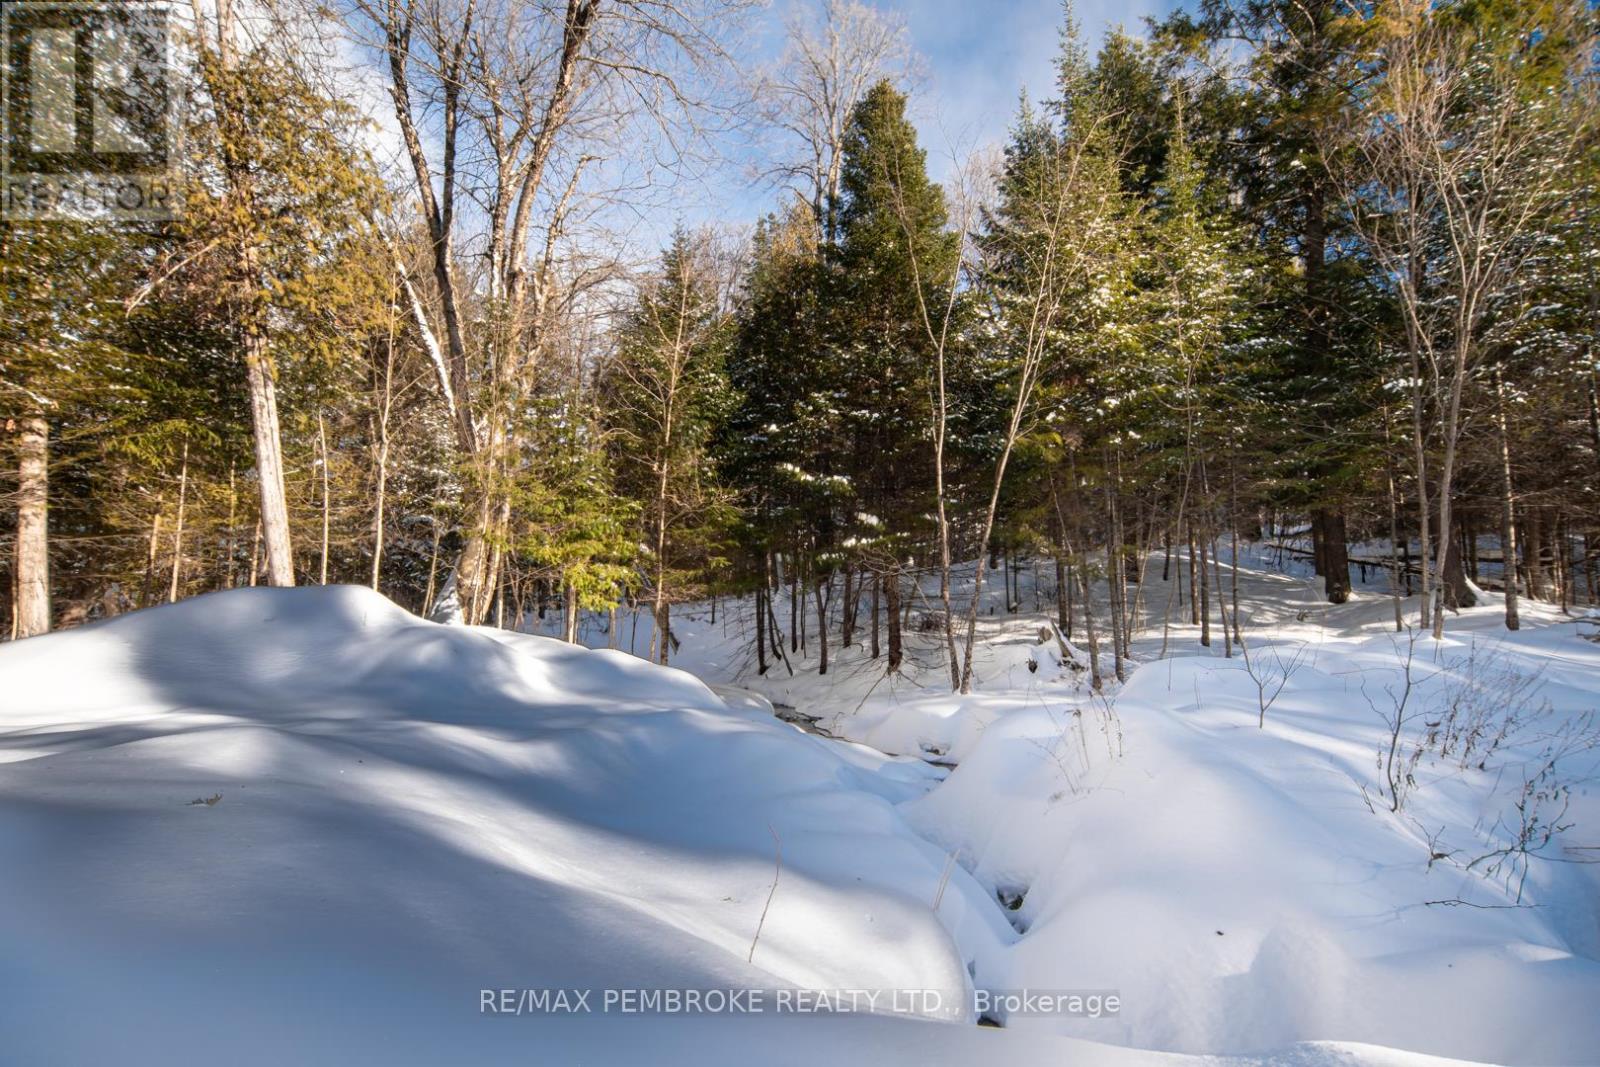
column 1311, row 272
column 926, row 532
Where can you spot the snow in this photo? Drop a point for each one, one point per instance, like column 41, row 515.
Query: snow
column 406, row 814
column 1138, row 824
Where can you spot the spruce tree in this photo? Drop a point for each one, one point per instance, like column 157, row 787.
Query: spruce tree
column 893, row 239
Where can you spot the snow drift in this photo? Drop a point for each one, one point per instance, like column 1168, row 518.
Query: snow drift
column 302, row 825
column 273, row 820
column 1245, row 885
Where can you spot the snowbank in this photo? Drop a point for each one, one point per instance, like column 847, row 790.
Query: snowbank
column 402, row 814
column 1243, row 888
column 304, row 826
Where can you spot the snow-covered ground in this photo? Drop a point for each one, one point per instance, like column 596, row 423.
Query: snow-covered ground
column 303, row 825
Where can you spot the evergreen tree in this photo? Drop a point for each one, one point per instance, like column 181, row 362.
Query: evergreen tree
column 667, row 393
column 893, row 241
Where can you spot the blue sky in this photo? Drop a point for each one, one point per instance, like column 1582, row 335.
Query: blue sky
column 974, row 58
column 979, row 54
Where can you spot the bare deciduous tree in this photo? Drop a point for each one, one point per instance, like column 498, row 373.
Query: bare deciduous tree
column 501, row 105
column 1462, row 153
column 835, row 54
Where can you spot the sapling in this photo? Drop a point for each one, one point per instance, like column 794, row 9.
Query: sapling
column 1270, row 679
column 1395, row 716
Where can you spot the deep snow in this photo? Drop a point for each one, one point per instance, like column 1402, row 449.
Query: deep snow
column 1247, row 887
column 411, row 813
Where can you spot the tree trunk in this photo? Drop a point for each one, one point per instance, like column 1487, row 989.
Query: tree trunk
column 148, row 589
column 799, row 590
column 1194, row 585
column 892, row 609
column 1397, row 572
column 1563, row 573
column 847, row 620
column 1454, row 590
column 433, row 568
column 794, row 611
column 1319, row 544
column 1333, row 553
column 1419, row 455
column 877, row 589
column 1508, row 526
column 1222, row 600
column 822, row 628
column 377, row 512
column 1238, row 635
column 1061, row 596
column 1093, row 638
column 1535, row 553
column 33, row 527
column 1070, row 580
column 269, row 461
column 1471, row 537
column 761, row 630
column 227, row 542
column 327, row 511
column 1114, row 608
column 663, row 628
column 255, row 552
column 177, row 529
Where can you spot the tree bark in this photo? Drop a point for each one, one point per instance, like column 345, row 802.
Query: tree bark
column 794, row 611
column 33, row 527
column 877, row 589
column 1061, row 596
column 227, row 540
column 761, row 631
column 1508, row 526
column 269, row 461
column 847, row 620
column 177, row 529
column 327, row 510
column 1396, row 571
column 1534, row 553
column 1093, row 638
column 147, row 590
column 822, row 628
column 1222, row 599
column 1333, row 554
column 1194, row 588
column 1453, row 590
column 891, row 582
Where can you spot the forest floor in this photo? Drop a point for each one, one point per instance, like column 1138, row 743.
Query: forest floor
column 303, row 825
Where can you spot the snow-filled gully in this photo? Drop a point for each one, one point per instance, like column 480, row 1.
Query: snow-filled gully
column 1006, row 900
